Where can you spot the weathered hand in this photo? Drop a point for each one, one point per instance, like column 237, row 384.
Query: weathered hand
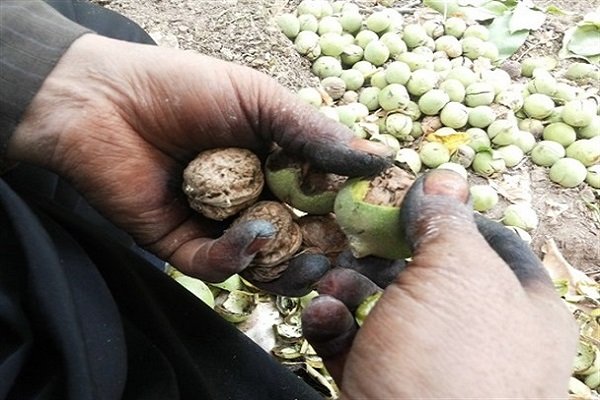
column 473, row 315
column 122, row 120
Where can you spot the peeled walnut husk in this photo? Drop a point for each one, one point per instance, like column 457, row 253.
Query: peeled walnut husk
column 368, row 211
column 221, row 182
column 270, row 262
column 301, row 186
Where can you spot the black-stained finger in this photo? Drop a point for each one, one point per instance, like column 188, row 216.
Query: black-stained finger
column 379, row 270
column 330, row 329
column 348, row 286
column 214, row 260
column 513, row 250
column 300, row 277
column 439, row 196
column 329, row 145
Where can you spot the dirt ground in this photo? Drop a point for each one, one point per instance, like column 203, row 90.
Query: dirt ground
column 243, row 31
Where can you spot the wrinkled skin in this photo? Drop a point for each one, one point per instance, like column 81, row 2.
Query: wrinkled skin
column 121, row 121
column 473, row 315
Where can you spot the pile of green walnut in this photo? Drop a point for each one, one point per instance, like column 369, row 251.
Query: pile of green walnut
column 436, row 93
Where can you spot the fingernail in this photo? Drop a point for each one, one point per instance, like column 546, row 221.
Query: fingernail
column 371, row 147
column 446, row 183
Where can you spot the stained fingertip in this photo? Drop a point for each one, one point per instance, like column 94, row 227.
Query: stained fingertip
column 348, row 286
column 379, row 270
column 514, row 251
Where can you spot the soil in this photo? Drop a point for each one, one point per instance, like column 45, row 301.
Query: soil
column 243, row 31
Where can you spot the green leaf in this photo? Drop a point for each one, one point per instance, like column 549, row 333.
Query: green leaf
column 445, row 7
column 525, row 18
column 585, row 41
column 495, row 7
column 477, row 13
column 555, row 10
column 508, row 43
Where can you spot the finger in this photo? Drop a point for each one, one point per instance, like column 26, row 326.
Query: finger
column 300, row 277
column 214, row 260
column 330, row 329
column 515, row 252
column 440, row 229
column 380, row 271
column 348, row 286
column 300, row 129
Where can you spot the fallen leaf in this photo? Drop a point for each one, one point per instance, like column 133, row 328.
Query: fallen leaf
column 506, row 42
column 524, row 17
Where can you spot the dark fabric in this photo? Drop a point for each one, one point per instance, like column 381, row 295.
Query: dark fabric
column 32, row 39
column 85, row 314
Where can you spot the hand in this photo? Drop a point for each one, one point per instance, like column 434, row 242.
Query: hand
column 473, row 315
column 122, row 120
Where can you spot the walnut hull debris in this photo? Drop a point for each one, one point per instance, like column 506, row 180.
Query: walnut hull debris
column 270, row 262
column 389, row 187
column 322, row 233
column 221, row 182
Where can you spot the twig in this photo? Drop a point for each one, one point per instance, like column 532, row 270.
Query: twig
column 408, row 8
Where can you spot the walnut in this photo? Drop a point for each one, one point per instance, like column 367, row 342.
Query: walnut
column 221, row 182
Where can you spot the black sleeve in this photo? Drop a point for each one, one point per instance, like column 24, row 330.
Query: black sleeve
column 33, row 37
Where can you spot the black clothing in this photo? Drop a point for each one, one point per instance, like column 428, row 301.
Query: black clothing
column 84, row 314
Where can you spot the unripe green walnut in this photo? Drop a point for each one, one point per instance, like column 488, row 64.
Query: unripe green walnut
column 479, row 94
column 308, row 22
column 353, row 79
column 289, row 25
column 490, row 51
column 332, row 44
column 478, row 139
column 397, row 72
column 368, row 211
column 463, row 155
column 412, row 110
column 481, row 116
column 329, row 25
column 455, row 89
column 568, row 172
column 488, row 163
column 351, row 21
column 484, row 197
column 378, row 79
column 511, row 154
column 449, row 45
column 459, row 169
column 433, row 28
column 433, row 101
column 535, row 126
column 560, row 132
column 538, row 106
column 521, row 216
column 454, row 115
column 591, row 130
column 585, row 151
column 512, row 99
column 307, row 44
column 366, row 68
column 422, row 81
column 360, row 110
column 472, row 47
column 376, row 52
column 414, row 35
column 398, row 125
column 530, row 64
column 310, row 7
column 394, row 43
column 346, row 115
column 546, row 153
column 455, row 26
column 388, row 139
column 433, row 154
column 565, row 93
column 330, row 112
column 369, row 97
column 593, row 176
column 364, row 37
column 580, row 70
column 461, row 61
column 478, row 31
column 498, row 78
column 394, row 96
column 525, row 141
column 414, row 60
column 462, row 74
column 543, row 82
column 503, row 132
column 311, row 95
column 378, row 21
column 578, row 113
column 351, row 54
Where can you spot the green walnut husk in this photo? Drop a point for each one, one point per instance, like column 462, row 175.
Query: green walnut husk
column 591, row 130
column 568, row 172
column 546, row 153
column 368, row 211
column 376, row 52
column 433, row 154
column 520, row 215
column 198, row 288
column 593, row 176
column 410, row 158
column 481, row 116
column 394, row 96
column 454, row 115
column 432, row 102
column 478, row 139
column 484, row 197
column 512, row 154
column 289, row 25
column 235, row 306
column 578, row 113
column 560, row 132
column 452, row 166
column 364, row 309
column 488, row 163
column 301, row 186
column 586, row 151
column 530, row 64
column 538, row 106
